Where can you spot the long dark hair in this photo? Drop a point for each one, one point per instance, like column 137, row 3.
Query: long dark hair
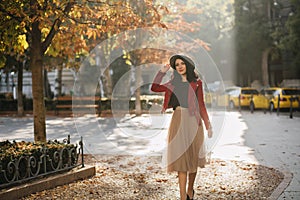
column 191, row 76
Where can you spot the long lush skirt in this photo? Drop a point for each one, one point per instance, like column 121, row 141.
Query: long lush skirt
column 185, row 139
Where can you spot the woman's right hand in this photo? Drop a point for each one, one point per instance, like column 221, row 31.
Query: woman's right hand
column 165, row 68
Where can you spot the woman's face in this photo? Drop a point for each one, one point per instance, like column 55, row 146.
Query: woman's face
column 180, row 66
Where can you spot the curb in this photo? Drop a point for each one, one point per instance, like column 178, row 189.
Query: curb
column 288, row 176
column 47, row 183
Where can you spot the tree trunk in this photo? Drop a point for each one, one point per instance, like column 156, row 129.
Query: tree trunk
column 37, row 85
column 47, row 87
column 138, row 77
column 20, row 89
column 58, row 81
column 108, row 83
column 264, row 65
column 7, row 81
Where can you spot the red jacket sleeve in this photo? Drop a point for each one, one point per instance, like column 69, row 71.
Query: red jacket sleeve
column 202, row 107
column 156, row 85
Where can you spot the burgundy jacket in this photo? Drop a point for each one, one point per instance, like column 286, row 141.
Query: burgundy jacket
column 198, row 111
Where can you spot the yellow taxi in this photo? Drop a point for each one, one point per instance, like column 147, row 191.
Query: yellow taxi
column 224, row 99
column 242, row 96
column 259, row 101
column 208, row 98
column 209, row 95
column 282, row 97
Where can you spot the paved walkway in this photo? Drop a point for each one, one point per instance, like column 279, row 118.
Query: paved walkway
column 265, row 139
column 269, row 140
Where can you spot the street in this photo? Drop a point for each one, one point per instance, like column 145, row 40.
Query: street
column 265, row 139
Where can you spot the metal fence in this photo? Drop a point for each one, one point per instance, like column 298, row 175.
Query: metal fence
column 48, row 161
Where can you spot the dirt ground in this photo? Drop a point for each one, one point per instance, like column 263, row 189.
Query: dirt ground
column 142, row 178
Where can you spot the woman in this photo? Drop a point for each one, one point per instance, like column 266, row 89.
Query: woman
column 185, row 136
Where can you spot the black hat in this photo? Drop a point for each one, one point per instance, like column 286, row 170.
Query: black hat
column 187, row 61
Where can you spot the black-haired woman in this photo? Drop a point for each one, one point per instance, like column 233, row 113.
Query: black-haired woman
column 184, row 94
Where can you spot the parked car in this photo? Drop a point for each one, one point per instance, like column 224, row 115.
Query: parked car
column 208, row 98
column 259, row 101
column 282, row 96
column 243, row 96
column 223, row 99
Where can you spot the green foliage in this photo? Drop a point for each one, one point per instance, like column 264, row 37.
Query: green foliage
column 12, row 25
column 216, row 18
column 288, row 36
column 252, row 37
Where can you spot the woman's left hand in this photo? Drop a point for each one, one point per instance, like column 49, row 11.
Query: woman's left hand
column 210, row 132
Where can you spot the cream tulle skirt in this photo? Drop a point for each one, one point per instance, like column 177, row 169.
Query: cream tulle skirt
column 185, row 139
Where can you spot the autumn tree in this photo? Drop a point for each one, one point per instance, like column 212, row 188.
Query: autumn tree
column 210, row 24
column 13, row 52
column 173, row 17
column 62, row 28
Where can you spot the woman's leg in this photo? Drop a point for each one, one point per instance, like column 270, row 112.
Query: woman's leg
column 191, row 181
column 182, row 179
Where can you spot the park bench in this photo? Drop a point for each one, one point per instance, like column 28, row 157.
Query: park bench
column 78, row 103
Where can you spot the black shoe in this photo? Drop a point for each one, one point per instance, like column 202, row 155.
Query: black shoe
column 188, row 198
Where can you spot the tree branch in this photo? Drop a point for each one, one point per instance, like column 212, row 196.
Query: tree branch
column 55, row 27
column 19, row 19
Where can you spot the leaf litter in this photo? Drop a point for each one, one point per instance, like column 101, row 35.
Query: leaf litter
column 142, row 178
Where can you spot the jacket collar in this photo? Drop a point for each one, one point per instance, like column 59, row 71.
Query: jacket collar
column 194, row 85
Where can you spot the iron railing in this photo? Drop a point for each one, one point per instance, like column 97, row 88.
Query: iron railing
column 48, row 161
